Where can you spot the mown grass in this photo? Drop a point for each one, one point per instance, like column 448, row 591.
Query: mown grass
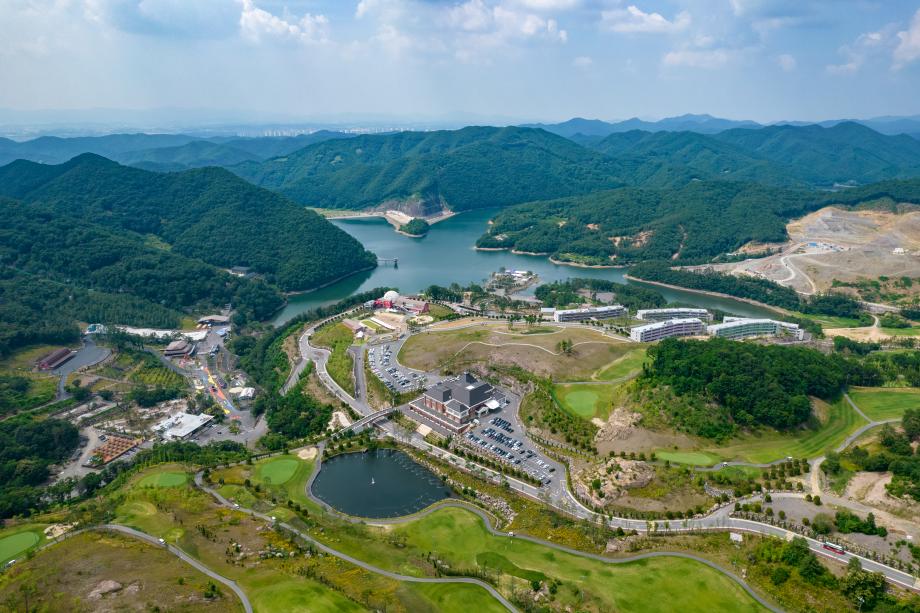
column 694, row 458
column 14, row 544
column 881, row 403
column 585, row 400
column 278, row 470
column 629, row 365
column 839, row 421
column 164, row 479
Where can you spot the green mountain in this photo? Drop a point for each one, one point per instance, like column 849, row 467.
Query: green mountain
column 207, row 214
column 161, row 152
column 698, row 221
column 691, row 224
column 464, row 169
column 844, row 153
column 707, row 156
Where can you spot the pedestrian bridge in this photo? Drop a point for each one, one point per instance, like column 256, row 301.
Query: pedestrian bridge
column 370, row 419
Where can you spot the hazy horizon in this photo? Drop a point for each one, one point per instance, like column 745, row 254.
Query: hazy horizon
column 503, row 61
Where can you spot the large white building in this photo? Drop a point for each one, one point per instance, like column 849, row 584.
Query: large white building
column 586, row 313
column 673, row 313
column 181, row 426
column 736, row 328
column 649, row 333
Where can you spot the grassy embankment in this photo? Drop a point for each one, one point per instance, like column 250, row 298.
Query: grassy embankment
column 340, row 366
column 836, row 421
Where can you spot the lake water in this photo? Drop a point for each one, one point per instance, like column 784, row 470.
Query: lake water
column 377, row 484
column 447, row 255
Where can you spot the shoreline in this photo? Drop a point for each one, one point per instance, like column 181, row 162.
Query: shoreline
column 318, row 287
column 750, row 301
column 550, row 258
column 580, row 265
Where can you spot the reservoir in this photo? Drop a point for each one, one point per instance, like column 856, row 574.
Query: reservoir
column 447, row 255
column 377, row 484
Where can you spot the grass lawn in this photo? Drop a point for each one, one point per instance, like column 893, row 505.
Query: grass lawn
column 25, row 358
column 164, row 479
column 838, row 422
column 449, row 598
column 629, row 365
column 439, row 311
column 16, row 543
column 695, row 458
column 913, row 331
column 297, row 596
column 338, row 339
column 278, row 471
column 885, row 402
column 585, row 400
column 831, row 321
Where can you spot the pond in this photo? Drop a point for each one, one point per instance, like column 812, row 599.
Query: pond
column 447, row 254
column 377, row 484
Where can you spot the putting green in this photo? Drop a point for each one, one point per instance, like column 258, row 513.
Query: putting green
column 278, row 471
column 14, row 544
column 695, row 458
column 581, row 402
column 164, row 479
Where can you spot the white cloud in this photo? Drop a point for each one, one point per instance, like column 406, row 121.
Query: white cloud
column 697, row 58
column 908, row 49
column 787, row 62
column 859, row 52
column 582, row 61
column 546, row 5
column 633, row 20
column 258, row 24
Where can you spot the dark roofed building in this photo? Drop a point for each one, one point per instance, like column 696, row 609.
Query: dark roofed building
column 454, row 402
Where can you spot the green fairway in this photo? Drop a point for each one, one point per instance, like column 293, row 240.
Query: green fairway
column 298, row 596
column 677, row 584
column 585, row 400
column 840, row 421
column 278, row 470
column 164, row 479
column 912, row 331
column 881, row 403
column 694, row 458
column 448, row 598
column 629, row 365
column 831, row 321
column 14, row 544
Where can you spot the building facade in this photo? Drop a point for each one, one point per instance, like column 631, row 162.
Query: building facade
column 454, row 403
column 602, row 312
column 650, row 333
column 736, row 328
column 675, row 313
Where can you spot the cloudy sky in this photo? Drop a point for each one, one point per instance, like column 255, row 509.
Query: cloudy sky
column 518, row 59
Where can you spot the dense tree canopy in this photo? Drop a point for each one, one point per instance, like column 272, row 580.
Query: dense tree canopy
column 572, row 291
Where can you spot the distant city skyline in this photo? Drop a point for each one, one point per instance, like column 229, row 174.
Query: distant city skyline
column 502, row 61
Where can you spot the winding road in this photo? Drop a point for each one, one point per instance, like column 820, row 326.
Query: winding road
column 562, row 500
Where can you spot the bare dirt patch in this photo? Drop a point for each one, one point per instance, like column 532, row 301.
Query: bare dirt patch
column 847, row 245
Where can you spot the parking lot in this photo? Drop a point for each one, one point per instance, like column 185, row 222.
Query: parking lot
column 500, row 438
column 382, row 361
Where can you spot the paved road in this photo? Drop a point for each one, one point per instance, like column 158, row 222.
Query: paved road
column 562, row 499
column 352, row 560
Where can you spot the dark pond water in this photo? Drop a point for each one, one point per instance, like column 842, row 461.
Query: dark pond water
column 446, row 255
column 377, row 484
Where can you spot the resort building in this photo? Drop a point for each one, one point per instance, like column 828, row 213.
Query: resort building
column 674, row 313
column 588, row 313
column 181, row 426
column 178, row 349
column 737, row 328
column 454, row 403
column 55, row 359
column 650, row 333
column 214, row 320
column 392, row 300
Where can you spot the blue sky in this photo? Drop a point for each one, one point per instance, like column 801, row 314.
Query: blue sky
column 490, row 59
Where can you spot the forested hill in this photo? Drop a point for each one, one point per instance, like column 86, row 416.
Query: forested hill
column 693, row 224
column 208, row 214
column 777, row 155
column 471, row 168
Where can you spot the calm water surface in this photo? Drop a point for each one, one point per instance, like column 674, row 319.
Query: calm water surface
column 377, row 484
column 446, row 255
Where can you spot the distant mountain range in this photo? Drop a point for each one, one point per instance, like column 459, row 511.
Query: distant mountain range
column 586, row 130
column 160, row 152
